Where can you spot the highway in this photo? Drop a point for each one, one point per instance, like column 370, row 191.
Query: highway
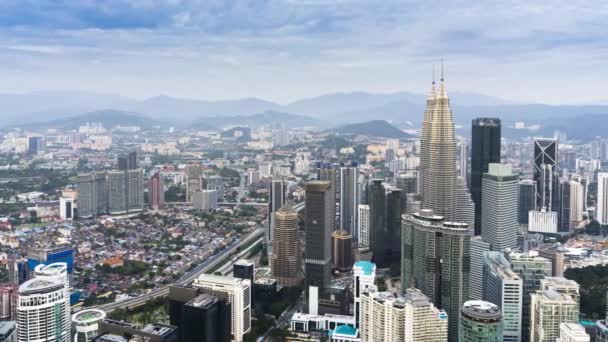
column 256, row 236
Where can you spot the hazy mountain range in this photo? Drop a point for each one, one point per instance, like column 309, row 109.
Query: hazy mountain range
column 401, row 109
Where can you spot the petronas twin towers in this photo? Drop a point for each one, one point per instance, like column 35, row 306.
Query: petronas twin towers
column 438, row 155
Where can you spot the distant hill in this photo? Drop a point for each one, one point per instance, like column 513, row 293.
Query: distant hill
column 108, row 118
column 268, row 118
column 376, row 128
column 322, row 111
column 245, row 131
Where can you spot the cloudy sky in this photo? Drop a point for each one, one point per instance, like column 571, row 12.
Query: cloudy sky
column 541, row 51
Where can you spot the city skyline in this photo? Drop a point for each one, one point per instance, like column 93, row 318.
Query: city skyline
column 212, row 50
column 445, row 217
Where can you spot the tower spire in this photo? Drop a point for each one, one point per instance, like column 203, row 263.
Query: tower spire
column 433, row 73
column 441, row 69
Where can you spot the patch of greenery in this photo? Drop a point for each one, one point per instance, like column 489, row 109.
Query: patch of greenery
column 130, row 267
column 247, row 211
column 175, row 194
column 153, row 311
column 593, row 281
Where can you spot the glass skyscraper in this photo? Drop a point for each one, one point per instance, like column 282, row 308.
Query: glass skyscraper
column 485, row 149
column 436, row 260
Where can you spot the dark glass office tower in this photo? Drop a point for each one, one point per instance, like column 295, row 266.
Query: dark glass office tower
column 395, row 207
column 276, row 200
column 485, row 149
column 348, row 198
column 329, row 172
column 319, row 224
column 527, row 199
column 200, row 317
column 377, row 220
column 244, row 269
column 386, row 205
column 436, row 260
column 128, row 161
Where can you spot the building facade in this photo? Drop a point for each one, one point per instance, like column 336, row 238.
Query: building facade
column 156, row 192
column 363, row 226
column 319, row 224
column 438, row 154
column 602, row 198
column 276, row 199
column 341, row 250
column 349, row 199
column 485, row 149
column 43, row 306
column 239, row 298
column 499, row 223
column 436, row 259
column 364, row 279
column 527, row 199
column 549, row 309
column 572, row 332
column 286, row 259
column 504, row 288
column 546, row 173
column 411, row 318
column 531, row 268
column 480, row 322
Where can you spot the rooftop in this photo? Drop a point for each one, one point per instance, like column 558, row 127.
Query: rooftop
column 367, row 267
column 244, row 262
column 89, row 316
column 481, row 310
column 39, row 285
column 203, row 300
column 575, row 329
column 346, row 330
column 6, row 327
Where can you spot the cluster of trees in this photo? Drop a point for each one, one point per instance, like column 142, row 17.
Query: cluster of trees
column 130, row 267
column 247, row 211
column 143, row 314
column 593, row 281
column 594, row 228
column 175, row 193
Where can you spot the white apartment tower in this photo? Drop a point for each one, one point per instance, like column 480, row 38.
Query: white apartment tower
column 578, row 200
column 411, row 318
column 504, row 288
column 549, row 309
column 43, row 306
column 499, row 198
column 572, row 332
column 563, row 286
column 363, row 226
column 364, row 278
column 239, row 296
column 602, row 198
column 478, row 248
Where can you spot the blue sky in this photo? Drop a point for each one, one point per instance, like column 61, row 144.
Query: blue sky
column 541, row 51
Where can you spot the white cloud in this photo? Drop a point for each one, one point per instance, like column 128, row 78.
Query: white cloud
column 545, row 51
